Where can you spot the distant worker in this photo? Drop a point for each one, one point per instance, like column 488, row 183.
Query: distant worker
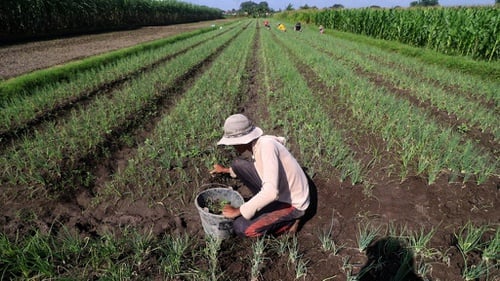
column 321, row 29
column 282, row 27
column 298, row 27
column 266, row 24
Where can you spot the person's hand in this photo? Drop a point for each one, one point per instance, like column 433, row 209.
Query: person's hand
column 230, row 212
column 219, row 169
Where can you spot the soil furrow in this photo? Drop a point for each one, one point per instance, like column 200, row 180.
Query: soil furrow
column 64, row 107
column 252, row 105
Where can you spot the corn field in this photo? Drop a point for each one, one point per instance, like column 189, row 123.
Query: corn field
column 30, row 18
column 465, row 31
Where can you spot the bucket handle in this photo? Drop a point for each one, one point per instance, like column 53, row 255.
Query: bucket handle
column 208, row 185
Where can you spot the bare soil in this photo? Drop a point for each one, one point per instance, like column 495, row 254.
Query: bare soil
column 411, row 203
column 26, row 57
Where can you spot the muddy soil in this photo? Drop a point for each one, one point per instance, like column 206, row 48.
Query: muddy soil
column 345, row 208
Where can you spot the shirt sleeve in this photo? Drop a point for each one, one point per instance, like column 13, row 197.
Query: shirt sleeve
column 268, row 159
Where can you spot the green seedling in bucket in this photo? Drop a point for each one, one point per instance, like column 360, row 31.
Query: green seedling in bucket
column 215, row 206
column 210, row 203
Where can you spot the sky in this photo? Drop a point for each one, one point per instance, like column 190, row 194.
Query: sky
column 282, row 4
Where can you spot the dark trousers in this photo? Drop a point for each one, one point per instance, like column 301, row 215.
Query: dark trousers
column 275, row 218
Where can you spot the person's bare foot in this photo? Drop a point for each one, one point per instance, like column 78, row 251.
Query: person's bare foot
column 295, row 227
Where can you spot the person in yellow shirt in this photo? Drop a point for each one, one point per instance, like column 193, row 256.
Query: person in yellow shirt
column 279, row 185
column 282, row 27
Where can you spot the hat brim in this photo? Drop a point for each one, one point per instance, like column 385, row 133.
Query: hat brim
column 255, row 133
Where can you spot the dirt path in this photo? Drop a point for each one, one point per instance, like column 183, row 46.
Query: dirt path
column 27, row 57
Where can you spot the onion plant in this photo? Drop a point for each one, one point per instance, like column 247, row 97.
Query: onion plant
column 211, row 252
column 419, row 241
column 491, row 252
column 367, row 233
column 327, row 242
column 469, row 238
column 258, row 258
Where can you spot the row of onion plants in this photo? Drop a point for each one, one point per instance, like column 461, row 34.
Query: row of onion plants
column 40, row 256
column 23, row 108
column 476, row 85
column 58, row 148
column 471, row 111
column 292, row 106
column 425, row 147
column 185, row 138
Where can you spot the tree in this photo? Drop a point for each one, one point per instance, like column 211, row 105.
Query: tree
column 289, row 7
column 248, row 7
column 424, row 3
column 263, row 8
column 254, row 9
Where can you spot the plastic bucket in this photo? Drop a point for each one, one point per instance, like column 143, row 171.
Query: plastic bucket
column 213, row 224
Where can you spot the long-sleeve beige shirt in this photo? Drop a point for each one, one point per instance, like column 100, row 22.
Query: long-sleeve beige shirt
column 270, row 154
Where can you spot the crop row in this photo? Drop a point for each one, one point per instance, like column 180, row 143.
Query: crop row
column 425, row 147
column 54, row 98
column 183, row 140
column 54, row 155
column 293, row 106
column 474, row 106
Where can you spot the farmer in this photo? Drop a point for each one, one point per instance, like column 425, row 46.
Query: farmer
column 282, row 27
column 279, row 185
column 298, row 26
column 266, row 24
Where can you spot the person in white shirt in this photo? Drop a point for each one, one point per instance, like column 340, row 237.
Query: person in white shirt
column 279, row 185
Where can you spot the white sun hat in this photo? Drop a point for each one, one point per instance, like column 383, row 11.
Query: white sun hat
column 238, row 129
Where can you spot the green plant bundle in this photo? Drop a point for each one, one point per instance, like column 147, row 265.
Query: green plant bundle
column 215, row 206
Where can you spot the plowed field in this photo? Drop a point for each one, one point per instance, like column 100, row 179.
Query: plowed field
column 158, row 207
